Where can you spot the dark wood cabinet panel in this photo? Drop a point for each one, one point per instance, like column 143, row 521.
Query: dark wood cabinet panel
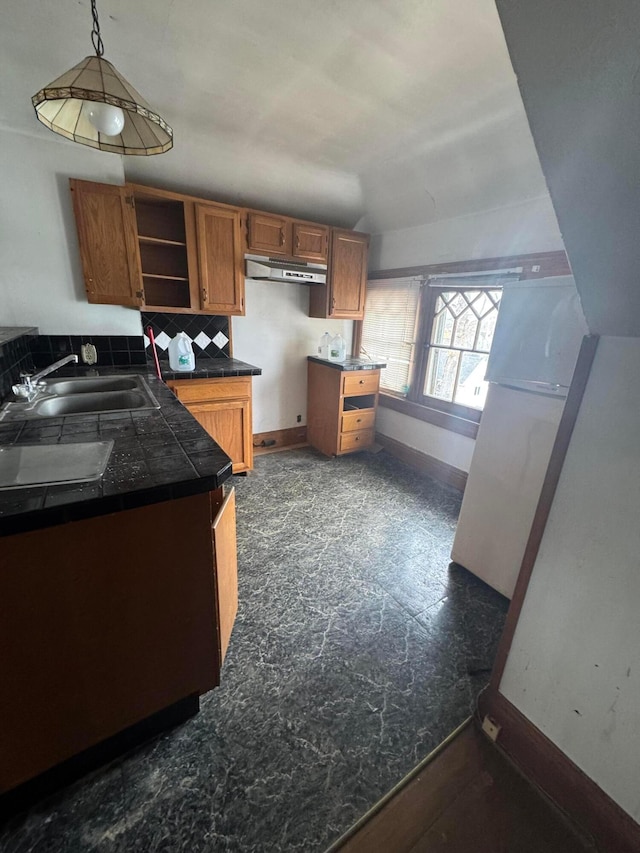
column 131, row 613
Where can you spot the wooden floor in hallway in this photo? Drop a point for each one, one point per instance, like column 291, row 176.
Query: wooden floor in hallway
column 467, row 798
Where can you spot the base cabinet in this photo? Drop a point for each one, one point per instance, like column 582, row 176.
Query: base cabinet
column 129, row 614
column 341, row 408
column 223, row 408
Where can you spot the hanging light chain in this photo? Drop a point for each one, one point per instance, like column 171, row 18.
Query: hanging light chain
column 96, row 38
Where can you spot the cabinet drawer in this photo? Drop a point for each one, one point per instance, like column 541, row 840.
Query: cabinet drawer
column 360, row 382
column 362, row 419
column 357, row 439
column 199, row 390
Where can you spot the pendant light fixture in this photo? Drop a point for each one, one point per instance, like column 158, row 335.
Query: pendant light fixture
column 94, row 105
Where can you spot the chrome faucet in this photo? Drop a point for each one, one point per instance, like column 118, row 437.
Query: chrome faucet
column 28, row 387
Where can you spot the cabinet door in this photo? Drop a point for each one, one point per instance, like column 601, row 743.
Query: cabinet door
column 268, row 234
column 106, row 225
column 226, row 567
column 228, row 422
column 310, row 242
column 348, row 274
column 220, row 259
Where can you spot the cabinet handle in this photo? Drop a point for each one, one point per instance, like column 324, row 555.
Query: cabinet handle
column 204, row 294
column 358, row 420
column 333, row 302
column 139, row 294
column 297, row 242
column 281, row 237
column 361, row 382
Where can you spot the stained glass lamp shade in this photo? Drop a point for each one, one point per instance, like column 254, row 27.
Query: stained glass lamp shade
column 65, row 105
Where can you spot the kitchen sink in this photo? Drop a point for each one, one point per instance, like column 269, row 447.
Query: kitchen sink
column 90, row 384
column 87, row 395
column 52, row 464
column 80, row 404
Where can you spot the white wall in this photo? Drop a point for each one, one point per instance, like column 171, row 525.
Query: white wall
column 577, row 67
column 41, row 282
column 447, row 446
column 518, row 229
column 574, row 665
column 277, row 335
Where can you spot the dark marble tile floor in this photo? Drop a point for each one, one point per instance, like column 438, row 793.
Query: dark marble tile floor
column 349, row 662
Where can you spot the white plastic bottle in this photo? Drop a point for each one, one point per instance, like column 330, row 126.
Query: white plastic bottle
column 325, row 343
column 338, row 349
column 181, row 355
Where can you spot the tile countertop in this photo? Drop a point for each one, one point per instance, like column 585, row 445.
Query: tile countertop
column 211, row 368
column 158, row 455
column 349, row 363
column 10, row 333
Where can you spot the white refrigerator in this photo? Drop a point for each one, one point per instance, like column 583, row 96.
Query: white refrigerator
column 535, row 347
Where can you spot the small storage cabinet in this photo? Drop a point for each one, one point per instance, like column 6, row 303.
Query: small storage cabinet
column 341, row 407
column 223, row 408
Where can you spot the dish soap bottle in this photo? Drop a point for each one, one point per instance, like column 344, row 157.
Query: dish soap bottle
column 338, row 349
column 181, row 355
column 325, row 343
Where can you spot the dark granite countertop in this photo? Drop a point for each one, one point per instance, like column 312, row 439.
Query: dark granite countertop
column 349, row 363
column 10, row 333
column 158, row 455
column 211, row 368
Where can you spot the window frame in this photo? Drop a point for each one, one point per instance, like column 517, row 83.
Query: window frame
column 443, row 413
column 418, row 378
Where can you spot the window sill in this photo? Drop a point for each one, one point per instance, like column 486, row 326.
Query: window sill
column 454, row 423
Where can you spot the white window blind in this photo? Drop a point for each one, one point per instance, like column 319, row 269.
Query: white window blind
column 389, row 328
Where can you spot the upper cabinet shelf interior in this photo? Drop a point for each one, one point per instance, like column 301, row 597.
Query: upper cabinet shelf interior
column 146, row 247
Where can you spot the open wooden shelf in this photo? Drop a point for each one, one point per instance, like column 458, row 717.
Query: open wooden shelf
column 165, row 277
column 161, row 241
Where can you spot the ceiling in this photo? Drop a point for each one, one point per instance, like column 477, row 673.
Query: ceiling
column 401, row 111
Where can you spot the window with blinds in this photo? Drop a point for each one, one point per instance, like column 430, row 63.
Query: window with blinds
column 389, row 329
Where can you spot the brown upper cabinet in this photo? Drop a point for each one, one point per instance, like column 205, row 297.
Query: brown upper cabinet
column 164, row 251
column 268, row 234
column 108, row 247
column 160, row 250
column 220, row 256
column 344, row 294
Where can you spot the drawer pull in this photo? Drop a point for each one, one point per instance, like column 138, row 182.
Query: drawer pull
column 362, row 382
column 357, row 438
column 358, row 420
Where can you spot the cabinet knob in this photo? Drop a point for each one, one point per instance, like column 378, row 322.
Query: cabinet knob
column 362, row 382
column 357, row 438
column 358, row 420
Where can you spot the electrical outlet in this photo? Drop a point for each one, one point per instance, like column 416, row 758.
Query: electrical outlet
column 491, row 728
column 89, row 353
column 299, row 418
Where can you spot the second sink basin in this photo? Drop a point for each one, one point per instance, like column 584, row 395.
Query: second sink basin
column 100, row 401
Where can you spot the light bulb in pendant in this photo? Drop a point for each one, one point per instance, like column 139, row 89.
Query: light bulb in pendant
column 106, row 118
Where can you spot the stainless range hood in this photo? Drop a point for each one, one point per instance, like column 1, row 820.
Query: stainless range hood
column 262, row 268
